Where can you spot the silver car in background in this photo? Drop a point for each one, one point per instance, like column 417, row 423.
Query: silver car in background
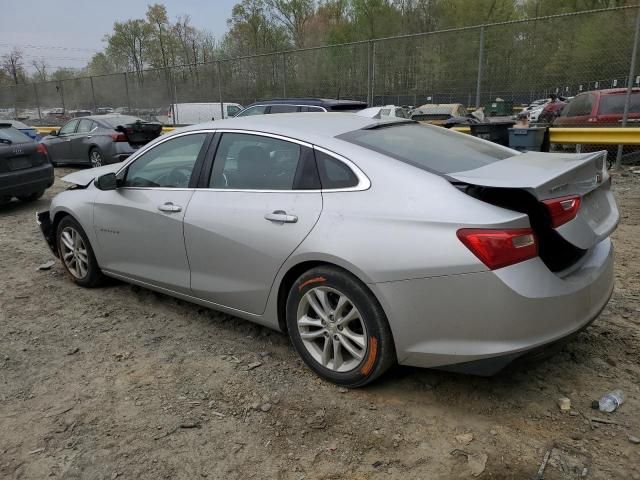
column 371, row 242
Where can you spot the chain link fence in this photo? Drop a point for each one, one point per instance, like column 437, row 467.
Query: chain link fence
column 518, row 61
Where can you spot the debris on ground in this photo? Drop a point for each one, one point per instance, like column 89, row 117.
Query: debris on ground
column 464, row 438
column 564, row 403
column 47, row 265
column 476, row 461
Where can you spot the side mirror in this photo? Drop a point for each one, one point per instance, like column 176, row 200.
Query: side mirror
column 54, row 133
column 108, row 181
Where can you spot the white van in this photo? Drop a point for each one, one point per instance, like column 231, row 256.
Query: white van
column 190, row 113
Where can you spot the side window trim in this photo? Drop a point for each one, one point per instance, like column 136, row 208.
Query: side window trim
column 197, row 167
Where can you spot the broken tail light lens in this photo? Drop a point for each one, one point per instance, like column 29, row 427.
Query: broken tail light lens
column 500, row 248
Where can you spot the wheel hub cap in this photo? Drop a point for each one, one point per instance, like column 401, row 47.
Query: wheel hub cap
column 74, row 252
column 332, row 329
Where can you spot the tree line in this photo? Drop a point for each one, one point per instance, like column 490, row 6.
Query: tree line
column 555, row 52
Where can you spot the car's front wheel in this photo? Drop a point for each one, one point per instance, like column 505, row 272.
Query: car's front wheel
column 76, row 254
column 95, row 158
column 338, row 327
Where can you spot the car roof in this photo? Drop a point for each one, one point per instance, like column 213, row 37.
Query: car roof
column 310, row 127
column 612, row 91
column 323, row 102
column 14, row 123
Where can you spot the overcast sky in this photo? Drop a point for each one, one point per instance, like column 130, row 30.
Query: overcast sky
column 67, row 32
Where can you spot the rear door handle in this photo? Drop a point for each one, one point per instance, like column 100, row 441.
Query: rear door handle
column 281, row 217
column 169, row 207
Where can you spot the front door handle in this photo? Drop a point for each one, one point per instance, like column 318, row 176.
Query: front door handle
column 281, row 217
column 169, row 207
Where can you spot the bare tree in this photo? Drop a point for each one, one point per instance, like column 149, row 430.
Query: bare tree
column 12, row 64
column 41, row 67
column 294, row 15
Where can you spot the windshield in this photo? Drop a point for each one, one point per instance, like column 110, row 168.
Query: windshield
column 113, row 122
column 9, row 134
column 431, row 148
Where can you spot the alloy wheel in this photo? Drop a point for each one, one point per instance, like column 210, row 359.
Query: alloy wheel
column 332, row 329
column 74, row 252
column 95, row 158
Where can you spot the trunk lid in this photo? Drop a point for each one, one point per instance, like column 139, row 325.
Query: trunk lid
column 19, row 156
column 552, row 175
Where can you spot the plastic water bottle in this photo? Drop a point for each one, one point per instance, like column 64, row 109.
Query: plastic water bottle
column 611, row 401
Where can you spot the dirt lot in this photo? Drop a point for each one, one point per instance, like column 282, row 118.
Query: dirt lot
column 120, row 382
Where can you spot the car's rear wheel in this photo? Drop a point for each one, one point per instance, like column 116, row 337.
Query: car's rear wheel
column 76, row 254
column 32, row 197
column 338, row 327
column 95, row 157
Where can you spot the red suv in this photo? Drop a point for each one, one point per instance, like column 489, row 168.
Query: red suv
column 599, row 108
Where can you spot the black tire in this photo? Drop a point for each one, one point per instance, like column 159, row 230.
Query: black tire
column 32, row 197
column 95, row 158
column 93, row 276
column 5, row 199
column 379, row 353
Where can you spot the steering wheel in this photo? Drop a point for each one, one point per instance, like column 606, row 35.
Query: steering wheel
column 179, row 176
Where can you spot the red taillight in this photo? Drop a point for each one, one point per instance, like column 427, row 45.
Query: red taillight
column 42, row 149
column 562, row 209
column 500, row 248
column 119, row 137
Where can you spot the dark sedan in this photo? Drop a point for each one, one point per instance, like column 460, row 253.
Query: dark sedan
column 25, row 172
column 99, row 140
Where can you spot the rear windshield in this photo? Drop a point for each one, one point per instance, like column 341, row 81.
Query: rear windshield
column 120, row 120
column 614, row 104
column 12, row 135
column 428, row 147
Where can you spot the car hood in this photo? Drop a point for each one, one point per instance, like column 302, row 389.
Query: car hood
column 85, row 177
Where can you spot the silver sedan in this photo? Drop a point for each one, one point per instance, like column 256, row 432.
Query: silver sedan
column 370, row 242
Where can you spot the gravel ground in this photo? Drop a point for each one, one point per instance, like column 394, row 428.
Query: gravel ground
column 121, row 382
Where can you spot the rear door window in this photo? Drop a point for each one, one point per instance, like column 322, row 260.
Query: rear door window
column 614, row 104
column 428, row 147
column 311, row 108
column 254, row 162
column 283, row 108
column 85, row 126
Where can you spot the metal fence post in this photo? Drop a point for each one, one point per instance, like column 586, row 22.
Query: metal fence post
column 284, row 75
column 15, row 102
column 126, row 89
column 632, row 71
column 370, row 73
column 93, row 96
column 480, row 62
column 220, row 88
column 60, row 88
column 35, row 91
